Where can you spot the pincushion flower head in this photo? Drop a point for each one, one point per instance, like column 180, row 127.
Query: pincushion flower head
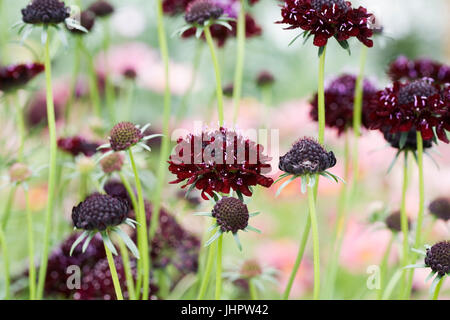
column 16, row 76
column 325, row 19
column 46, row 13
column 219, row 161
column 339, row 103
column 231, row 215
column 102, row 213
column 265, row 79
column 77, row 145
column 405, row 69
column 306, row 158
column 440, row 208
column 393, row 222
column 101, row 8
column 422, row 104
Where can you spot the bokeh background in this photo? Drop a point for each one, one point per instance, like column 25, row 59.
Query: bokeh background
column 413, row 28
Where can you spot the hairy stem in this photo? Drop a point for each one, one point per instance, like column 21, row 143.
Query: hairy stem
column 52, row 171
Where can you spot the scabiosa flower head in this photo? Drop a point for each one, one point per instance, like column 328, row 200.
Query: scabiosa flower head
column 251, row 269
column 228, row 90
column 200, row 11
column 218, row 161
column 116, row 189
column 101, row 8
column 404, row 69
column 130, row 73
column 19, row 172
column 99, row 212
column 45, row 12
column 232, row 214
column 421, row 104
column 339, row 102
column 77, row 145
column 440, row 208
column 15, row 76
column 265, row 78
column 87, row 21
column 394, row 222
column 124, row 135
column 307, row 156
column 328, row 18
column 112, row 163
column 409, row 144
column 438, row 258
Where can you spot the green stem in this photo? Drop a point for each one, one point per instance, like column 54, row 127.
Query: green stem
column 83, row 186
column 240, row 59
column 4, row 247
column 384, row 267
column 219, row 92
column 112, row 268
column 94, row 91
column 420, row 216
column 357, row 113
column 142, row 231
column 298, row 260
column 207, row 273
column 129, row 100
column 321, row 97
column 404, row 222
column 52, row 170
column 195, row 65
column 438, row 289
column 8, row 207
column 219, row 268
column 340, row 226
column 315, row 235
column 109, row 88
column 253, row 290
column 165, row 146
column 127, row 269
column 20, row 126
column 31, row 265
column 74, row 80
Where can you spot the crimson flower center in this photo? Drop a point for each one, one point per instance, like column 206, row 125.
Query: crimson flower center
column 421, row 88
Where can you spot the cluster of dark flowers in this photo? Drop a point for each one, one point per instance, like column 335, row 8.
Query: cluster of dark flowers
column 238, row 165
column 77, row 145
column 16, row 76
column 219, row 32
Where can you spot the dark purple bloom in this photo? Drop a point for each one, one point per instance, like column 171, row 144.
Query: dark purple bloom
column 16, row 76
column 78, row 145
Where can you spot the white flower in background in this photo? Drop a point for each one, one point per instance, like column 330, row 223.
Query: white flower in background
column 129, row 22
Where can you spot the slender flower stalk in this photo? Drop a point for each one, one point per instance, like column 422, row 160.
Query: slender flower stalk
column 31, row 264
column 321, row 97
column 4, row 247
column 20, row 125
column 404, row 221
column 165, row 145
column 115, row 278
column 240, row 59
column 52, row 170
column 73, row 81
column 219, row 92
column 219, row 268
column 207, row 273
column 315, row 235
column 127, row 269
column 109, row 87
column 437, row 290
column 420, row 216
column 8, row 206
column 357, row 115
column 384, row 267
column 93, row 82
column 142, row 231
column 253, row 290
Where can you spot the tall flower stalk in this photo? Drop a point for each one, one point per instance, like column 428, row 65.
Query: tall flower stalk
column 5, row 251
column 240, row 59
column 31, row 262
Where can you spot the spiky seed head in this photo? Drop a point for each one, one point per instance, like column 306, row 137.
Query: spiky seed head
column 231, row 214
column 112, row 163
column 45, row 12
column 438, row 258
column 251, row 269
column 124, row 135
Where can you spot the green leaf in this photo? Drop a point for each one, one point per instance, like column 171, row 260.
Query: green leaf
column 435, row 283
column 108, row 242
column 394, row 161
column 78, row 241
column 254, row 214
column 128, row 242
column 321, row 51
column 344, row 44
column 198, row 32
column 88, row 240
column 213, row 238
column 414, row 266
column 284, row 185
column 203, row 214
column 403, row 139
column 304, row 185
column 224, row 24
column 249, row 227
column 296, row 37
column 284, row 175
column 238, row 242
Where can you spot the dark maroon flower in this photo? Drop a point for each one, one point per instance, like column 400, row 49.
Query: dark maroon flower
column 221, row 34
column 228, row 90
column 87, row 20
column 45, row 12
column 410, row 143
column 328, row 18
column 116, row 189
column 37, row 111
column 98, row 212
column 239, row 164
column 440, row 208
column 404, row 69
column 124, row 135
column 265, row 78
column 16, row 76
column 394, row 222
column 421, row 104
column 339, row 102
column 438, row 258
column 101, row 8
column 307, row 156
column 77, row 145
column 232, row 214
column 200, row 11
